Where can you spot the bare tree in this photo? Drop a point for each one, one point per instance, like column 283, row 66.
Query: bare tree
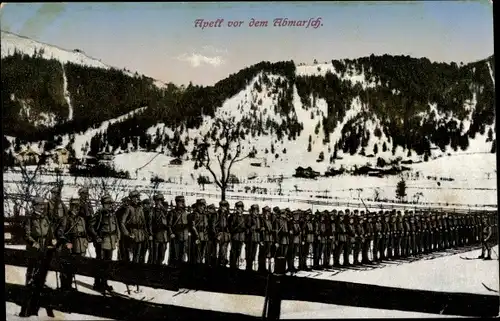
column 222, row 143
column 29, row 186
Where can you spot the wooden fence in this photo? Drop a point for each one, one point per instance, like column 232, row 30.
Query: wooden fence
column 274, row 287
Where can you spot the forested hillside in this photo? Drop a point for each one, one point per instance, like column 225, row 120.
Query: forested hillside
column 364, row 106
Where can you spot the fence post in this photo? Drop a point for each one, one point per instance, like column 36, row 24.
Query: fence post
column 274, row 291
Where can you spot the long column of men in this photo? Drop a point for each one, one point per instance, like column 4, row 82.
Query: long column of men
column 203, row 234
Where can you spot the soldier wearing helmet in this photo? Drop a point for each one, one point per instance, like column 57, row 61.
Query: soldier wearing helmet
column 104, row 230
column 72, row 235
column 38, row 234
column 134, row 227
column 252, row 239
column 341, row 238
column 199, row 229
column 268, row 238
column 238, row 232
column 160, row 229
column 56, row 209
column 222, row 232
column 180, row 230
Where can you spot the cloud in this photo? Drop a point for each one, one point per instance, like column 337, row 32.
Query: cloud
column 44, row 16
column 196, row 60
column 213, row 50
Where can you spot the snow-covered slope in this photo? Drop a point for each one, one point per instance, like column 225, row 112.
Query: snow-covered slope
column 11, row 42
column 255, row 109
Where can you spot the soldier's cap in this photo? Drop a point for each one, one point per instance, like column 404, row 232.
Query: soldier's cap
column 223, row 203
column 38, row 201
column 239, row 204
column 179, row 198
column 276, row 209
column 347, row 210
column 355, row 211
column 83, row 190
column 134, row 193
column 211, row 208
column 158, row 196
column 325, row 212
column 334, row 211
column 74, row 201
column 55, row 189
column 266, row 209
column 287, row 210
column 106, row 199
column 341, row 213
column 201, row 201
column 254, row 207
column 146, row 201
column 125, row 199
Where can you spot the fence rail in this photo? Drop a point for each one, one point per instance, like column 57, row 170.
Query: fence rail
column 234, row 281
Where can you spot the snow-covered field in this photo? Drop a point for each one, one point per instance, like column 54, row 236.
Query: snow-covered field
column 473, row 185
column 448, row 273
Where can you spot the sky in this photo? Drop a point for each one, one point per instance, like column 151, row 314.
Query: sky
column 160, row 40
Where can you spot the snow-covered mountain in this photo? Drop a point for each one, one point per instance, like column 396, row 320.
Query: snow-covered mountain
column 12, row 42
column 367, row 111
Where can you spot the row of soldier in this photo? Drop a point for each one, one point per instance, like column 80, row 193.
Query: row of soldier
column 144, row 231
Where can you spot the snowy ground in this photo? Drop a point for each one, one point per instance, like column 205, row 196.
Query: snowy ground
column 447, row 273
column 428, row 185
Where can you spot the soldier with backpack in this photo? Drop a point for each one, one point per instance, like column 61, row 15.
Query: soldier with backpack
column 72, row 236
column 104, row 230
column 38, row 234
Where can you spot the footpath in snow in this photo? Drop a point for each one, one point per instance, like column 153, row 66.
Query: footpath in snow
column 447, row 273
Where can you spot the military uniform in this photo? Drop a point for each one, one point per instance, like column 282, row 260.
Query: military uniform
column 368, row 229
column 123, row 247
column 56, row 208
column 238, row 233
column 307, row 241
column 282, row 236
column 161, row 230
column 135, row 228
column 320, row 239
column 104, row 230
column 252, row 237
column 358, row 238
column 211, row 251
column 350, row 239
column 222, row 232
column 72, row 236
column 295, row 240
column 39, row 234
column 85, row 209
column 377, row 237
column 180, row 231
column 341, row 238
column 486, row 238
column 267, row 238
column 386, row 237
column 331, row 242
column 199, row 232
column 148, row 247
column 398, row 235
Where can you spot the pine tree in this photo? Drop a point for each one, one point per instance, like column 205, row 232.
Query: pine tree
column 375, row 149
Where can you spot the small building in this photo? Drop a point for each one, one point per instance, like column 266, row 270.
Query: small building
column 61, row 155
column 176, row 161
column 105, row 158
column 28, row 157
column 305, row 172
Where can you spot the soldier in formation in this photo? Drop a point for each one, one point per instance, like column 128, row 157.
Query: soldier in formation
column 73, row 239
column 203, row 234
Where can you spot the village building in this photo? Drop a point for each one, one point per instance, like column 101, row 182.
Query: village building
column 60, row 156
column 28, row 157
column 105, row 158
column 176, row 161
